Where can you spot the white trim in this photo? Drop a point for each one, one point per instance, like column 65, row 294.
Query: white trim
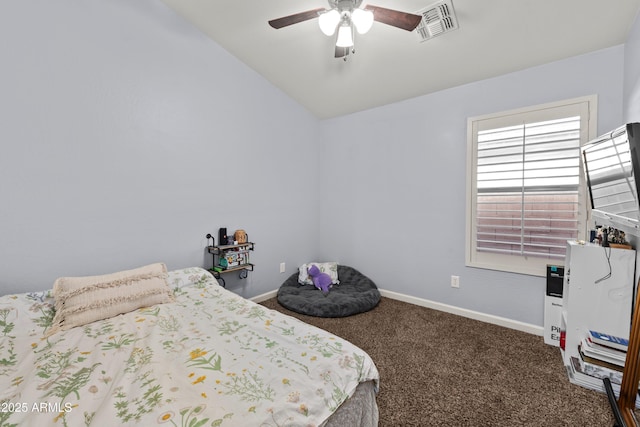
column 264, row 297
column 476, row 315
column 535, row 266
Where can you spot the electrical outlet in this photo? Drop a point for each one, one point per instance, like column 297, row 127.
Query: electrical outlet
column 455, row 281
column 282, row 267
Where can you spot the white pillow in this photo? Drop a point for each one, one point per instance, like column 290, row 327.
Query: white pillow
column 331, row 268
column 82, row 300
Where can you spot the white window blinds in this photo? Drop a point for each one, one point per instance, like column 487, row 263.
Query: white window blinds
column 526, row 190
column 528, row 179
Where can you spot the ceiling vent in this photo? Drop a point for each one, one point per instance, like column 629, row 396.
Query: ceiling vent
column 439, row 18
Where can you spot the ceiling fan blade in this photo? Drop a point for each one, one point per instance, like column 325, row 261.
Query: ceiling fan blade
column 395, row 18
column 295, row 18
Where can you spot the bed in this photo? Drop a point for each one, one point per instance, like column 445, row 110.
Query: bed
column 204, row 357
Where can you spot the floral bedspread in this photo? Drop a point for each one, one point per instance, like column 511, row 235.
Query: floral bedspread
column 211, row 358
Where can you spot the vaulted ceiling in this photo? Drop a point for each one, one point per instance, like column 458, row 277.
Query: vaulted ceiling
column 493, row 37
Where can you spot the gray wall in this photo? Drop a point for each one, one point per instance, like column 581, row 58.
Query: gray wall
column 127, row 136
column 632, row 74
column 394, row 199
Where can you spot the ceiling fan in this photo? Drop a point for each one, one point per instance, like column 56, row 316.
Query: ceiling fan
column 345, row 16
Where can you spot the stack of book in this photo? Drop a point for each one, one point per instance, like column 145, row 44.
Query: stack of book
column 602, row 356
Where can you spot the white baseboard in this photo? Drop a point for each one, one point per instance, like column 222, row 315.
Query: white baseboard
column 265, row 296
column 476, row 315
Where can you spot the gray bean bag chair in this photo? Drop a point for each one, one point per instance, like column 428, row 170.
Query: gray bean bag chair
column 355, row 294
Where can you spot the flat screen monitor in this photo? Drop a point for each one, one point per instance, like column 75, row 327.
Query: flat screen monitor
column 612, row 166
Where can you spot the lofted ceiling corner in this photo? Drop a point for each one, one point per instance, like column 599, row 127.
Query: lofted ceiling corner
column 493, row 37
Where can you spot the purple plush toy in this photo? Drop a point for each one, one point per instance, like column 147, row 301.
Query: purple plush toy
column 321, row 280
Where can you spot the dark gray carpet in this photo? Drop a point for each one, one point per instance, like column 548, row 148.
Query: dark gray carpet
column 355, row 293
column 438, row 369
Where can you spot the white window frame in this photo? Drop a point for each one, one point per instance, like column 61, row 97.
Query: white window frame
column 586, row 107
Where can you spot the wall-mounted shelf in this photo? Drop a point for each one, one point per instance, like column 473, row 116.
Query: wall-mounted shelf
column 230, row 258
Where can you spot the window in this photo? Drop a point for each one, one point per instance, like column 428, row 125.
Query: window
column 526, row 185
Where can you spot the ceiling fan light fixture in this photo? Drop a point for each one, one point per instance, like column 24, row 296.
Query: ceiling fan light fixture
column 345, row 36
column 346, row 17
column 362, row 19
column 328, row 21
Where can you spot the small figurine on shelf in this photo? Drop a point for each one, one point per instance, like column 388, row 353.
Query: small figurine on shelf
column 222, row 262
column 240, row 236
column 609, row 236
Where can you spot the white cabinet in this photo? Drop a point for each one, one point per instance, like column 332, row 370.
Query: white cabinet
column 598, row 294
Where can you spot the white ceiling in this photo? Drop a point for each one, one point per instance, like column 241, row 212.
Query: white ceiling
column 494, row 37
